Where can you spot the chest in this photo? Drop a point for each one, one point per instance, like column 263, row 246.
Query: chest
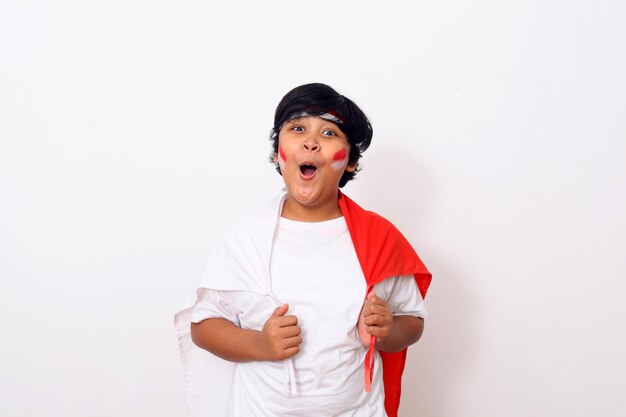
column 321, row 279
column 316, row 271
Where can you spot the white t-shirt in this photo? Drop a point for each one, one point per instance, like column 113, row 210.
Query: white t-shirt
column 314, row 269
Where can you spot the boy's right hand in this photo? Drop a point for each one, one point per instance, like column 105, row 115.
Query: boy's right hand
column 280, row 338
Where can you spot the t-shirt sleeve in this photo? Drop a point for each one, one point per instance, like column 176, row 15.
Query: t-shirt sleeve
column 213, row 304
column 403, row 296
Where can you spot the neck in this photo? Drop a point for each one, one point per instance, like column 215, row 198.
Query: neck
column 294, row 211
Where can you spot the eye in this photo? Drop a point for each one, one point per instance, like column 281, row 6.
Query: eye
column 329, row 132
column 297, row 128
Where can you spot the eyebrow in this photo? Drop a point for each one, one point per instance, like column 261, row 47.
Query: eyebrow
column 334, row 126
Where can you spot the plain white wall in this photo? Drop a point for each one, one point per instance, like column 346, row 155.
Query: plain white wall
column 133, row 132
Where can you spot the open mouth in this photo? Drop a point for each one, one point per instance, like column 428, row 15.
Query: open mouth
column 307, row 170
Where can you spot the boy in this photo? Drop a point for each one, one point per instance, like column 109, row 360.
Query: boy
column 309, row 293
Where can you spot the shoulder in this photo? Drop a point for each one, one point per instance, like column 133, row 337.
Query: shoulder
column 240, row 258
column 366, row 219
column 262, row 218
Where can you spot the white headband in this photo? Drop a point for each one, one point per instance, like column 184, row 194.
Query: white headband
column 326, row 116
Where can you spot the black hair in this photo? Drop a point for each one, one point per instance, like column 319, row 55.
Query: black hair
column 317, row 99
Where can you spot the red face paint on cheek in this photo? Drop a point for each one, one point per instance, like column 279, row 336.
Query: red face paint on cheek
column 281, row 158
column 339, row 160
column 340, row 155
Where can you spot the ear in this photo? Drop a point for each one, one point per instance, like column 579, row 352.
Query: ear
column 275, row 158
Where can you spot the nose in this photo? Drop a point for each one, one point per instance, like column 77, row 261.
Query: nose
column 310, row 143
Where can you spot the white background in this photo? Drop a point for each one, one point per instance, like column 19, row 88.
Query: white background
column 133, row 132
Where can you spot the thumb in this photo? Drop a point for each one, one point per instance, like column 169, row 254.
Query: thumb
column 371, row 295
column 280, row 311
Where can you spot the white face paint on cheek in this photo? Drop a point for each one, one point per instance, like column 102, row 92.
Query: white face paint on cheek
column 340, row 160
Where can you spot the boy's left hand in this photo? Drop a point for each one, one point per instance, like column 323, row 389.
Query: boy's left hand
column 376, row 319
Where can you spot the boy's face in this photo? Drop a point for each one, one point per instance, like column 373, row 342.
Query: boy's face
column 313, row 155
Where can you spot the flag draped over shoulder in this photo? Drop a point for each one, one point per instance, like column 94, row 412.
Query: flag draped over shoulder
column 383, row 252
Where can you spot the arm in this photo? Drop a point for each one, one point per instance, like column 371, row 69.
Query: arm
column 279, row 339
column 405, row 331
column 393, row 333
